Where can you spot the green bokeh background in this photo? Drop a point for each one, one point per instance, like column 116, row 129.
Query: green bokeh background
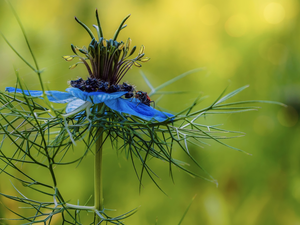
column 238, row 42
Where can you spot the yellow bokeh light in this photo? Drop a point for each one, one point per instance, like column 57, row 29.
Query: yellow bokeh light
column 237, row 25
column 209, row 14
column 274, row 13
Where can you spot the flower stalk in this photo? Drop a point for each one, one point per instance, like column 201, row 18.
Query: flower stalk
column 98, row 187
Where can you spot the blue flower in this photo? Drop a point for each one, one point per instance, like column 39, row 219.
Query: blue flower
column 76, row 98
column 107, row 61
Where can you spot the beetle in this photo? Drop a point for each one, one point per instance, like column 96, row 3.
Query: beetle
column 143, row 97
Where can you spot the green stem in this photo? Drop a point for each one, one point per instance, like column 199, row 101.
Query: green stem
column 81, row 207
column 98, row 192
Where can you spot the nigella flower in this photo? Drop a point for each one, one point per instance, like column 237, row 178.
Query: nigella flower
column 106, row 62
column 78, row 99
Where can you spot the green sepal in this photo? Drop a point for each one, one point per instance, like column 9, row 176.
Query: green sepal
column 92, row 50
column 100, row 33
column 140, row 56
column 120, row 27
column 85, row 27
column 74, row 49
column 132, row 51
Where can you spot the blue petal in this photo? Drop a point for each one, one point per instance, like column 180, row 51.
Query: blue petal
column 59, row 97
column 108, row 96
column 95, row 97
column 53, row 96
column 74, row 105
column 137, row 109
column 18, row 90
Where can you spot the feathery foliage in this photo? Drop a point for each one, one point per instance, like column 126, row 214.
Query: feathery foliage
column 43, row 136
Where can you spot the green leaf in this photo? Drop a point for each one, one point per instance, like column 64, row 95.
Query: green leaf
column 175, row 79
column 186, row 211
column 231, row 94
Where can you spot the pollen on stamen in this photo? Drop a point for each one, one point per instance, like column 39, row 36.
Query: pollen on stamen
column 68, row 58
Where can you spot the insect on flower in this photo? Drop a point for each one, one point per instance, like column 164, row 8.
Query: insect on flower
column 143, row 98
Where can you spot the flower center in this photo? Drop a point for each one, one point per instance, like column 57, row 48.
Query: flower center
column 94, row 85
column 107, row 61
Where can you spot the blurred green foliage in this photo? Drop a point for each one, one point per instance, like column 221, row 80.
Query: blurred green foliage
column 247, row 42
